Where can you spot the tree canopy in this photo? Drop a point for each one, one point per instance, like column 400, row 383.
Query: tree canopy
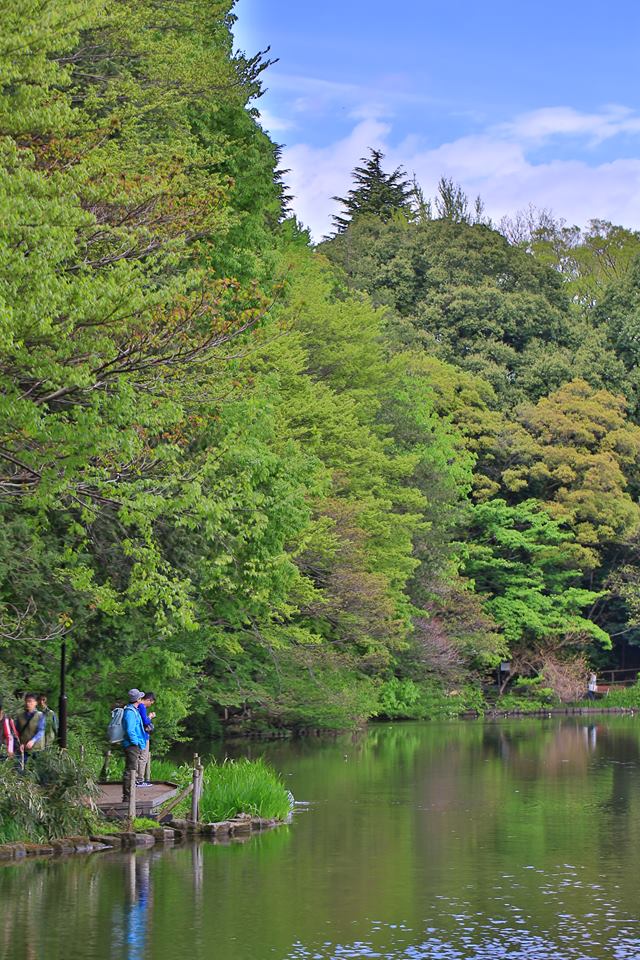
column 285, row 485
column 375, row 193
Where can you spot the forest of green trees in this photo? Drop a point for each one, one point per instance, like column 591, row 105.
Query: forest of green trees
column 287, row 485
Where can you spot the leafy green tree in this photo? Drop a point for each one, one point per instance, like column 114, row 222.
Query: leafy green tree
column 618, row 312
column 452, row 203
column 527, row 567
column 141, row 512
column 463, row 293
column 579, row 454
column 591, row 261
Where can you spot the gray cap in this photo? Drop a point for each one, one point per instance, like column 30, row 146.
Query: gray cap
column 135, row 694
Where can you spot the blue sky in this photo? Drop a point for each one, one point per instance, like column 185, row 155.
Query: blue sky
column 522, row 102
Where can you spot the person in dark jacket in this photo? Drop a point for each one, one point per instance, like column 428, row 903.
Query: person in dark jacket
column 30, row 727
column 134, row 740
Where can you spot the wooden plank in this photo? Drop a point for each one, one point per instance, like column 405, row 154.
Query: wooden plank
column 178, row 799
column 147, row 798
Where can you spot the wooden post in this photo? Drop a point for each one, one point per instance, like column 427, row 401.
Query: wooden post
column 176, row 800
column 131, row 814
column 195, row 795
column 200, row 783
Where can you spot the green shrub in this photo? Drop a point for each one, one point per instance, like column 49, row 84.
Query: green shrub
column 408, row 700
column 622, row 697
column 11, row 832
column 144, row 823
column 401, row 700
column 527, row 695
column 50, row 799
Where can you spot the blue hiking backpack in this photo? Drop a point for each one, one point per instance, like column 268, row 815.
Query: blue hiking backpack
column 115, row 730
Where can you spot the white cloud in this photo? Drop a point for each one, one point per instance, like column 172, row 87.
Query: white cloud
column 274, row 124
column 316, row 174
column 387, row 91
column 541, row 125
column 494, row 164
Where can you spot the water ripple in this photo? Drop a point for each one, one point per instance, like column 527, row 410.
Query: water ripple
column 457, row 932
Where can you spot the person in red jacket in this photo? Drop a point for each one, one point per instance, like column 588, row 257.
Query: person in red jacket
column 8, row 735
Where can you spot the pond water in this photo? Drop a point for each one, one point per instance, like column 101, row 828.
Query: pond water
column 516, row 839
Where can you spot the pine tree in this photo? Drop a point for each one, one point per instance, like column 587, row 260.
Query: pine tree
column 375, row 192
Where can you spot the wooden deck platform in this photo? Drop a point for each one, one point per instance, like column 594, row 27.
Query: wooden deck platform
column 148, row 799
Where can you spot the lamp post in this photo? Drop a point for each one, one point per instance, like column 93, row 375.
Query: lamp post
column 62, row 703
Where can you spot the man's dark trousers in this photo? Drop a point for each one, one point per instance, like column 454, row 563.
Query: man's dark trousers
column 131, row 757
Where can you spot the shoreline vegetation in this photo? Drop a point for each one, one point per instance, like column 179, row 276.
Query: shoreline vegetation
column 54, row 800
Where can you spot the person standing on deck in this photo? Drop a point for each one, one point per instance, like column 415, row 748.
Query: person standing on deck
column 144, row 763
column 134, row 741
column 50, row 721
column 30, row 727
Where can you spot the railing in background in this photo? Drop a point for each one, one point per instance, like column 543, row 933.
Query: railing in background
column 616, row 678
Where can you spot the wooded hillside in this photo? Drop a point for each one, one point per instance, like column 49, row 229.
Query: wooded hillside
column 284, row 485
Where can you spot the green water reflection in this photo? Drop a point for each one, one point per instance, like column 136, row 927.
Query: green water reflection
column 455, row 841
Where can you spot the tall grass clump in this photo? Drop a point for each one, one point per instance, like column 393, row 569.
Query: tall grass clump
column 243, row 786
column 627, row 697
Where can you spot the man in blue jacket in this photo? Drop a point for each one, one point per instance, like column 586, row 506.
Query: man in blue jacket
column 134, row 741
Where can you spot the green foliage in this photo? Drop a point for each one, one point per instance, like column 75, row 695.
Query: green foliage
column 628, row 697
column 48, row 800
column 405, row 699
column 284, row 487
column 242, row 786
column 144, row 823
column 591, row 261
column 148, row 498
column 401, row 699
column 464, row 294
column 525, row 564
column 618, row 312
column 375, row 193
column 528, row 695
column 579, row 453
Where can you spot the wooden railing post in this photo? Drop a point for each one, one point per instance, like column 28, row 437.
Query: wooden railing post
column 195, row 795
column 131, row 813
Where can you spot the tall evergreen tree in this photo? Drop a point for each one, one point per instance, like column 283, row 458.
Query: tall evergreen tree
column 375, row 192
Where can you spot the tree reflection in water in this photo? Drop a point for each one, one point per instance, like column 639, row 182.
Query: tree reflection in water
column 421, row 842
